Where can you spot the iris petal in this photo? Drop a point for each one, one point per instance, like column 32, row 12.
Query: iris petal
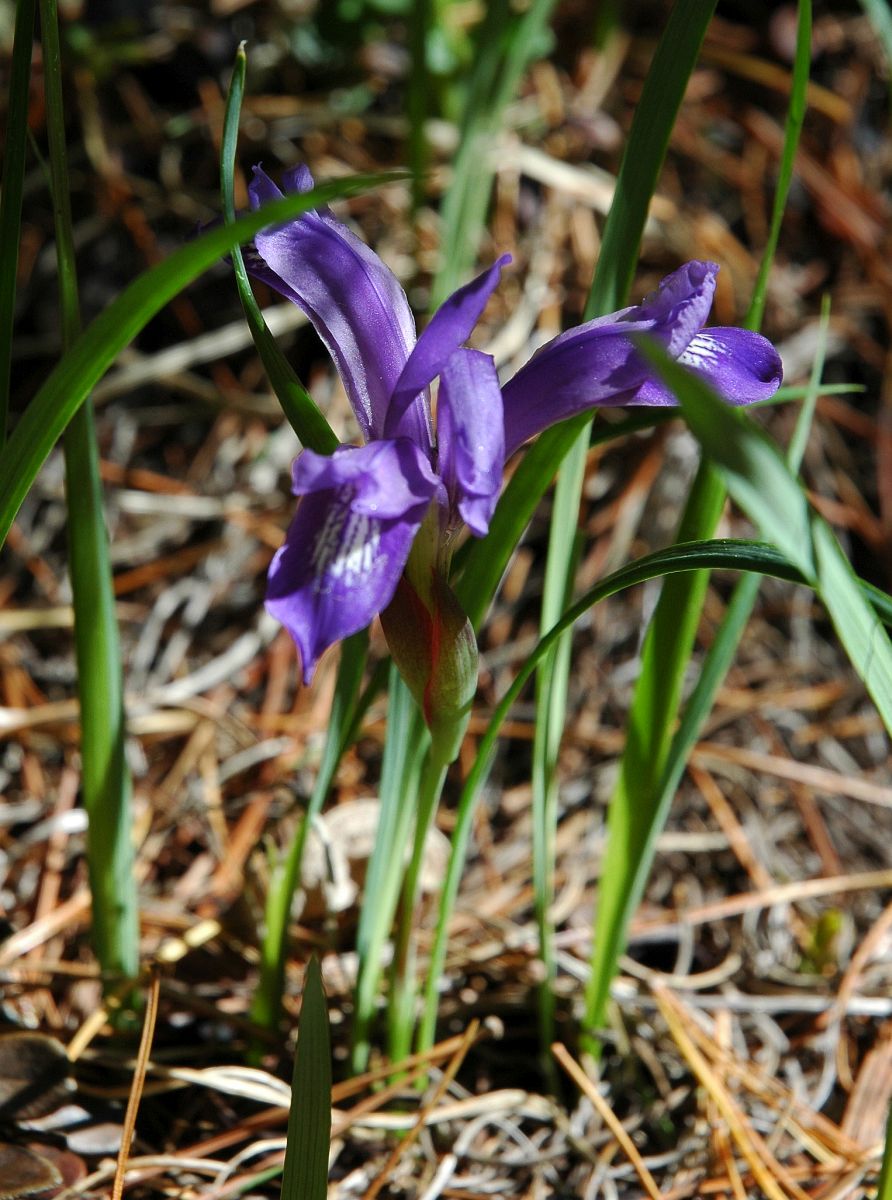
column 678, row 308
column 742, row 366
column 353, row 300
column 347, row 545
column 449, row 327
column 570, row 375
column 597, row 365
column 470, row 436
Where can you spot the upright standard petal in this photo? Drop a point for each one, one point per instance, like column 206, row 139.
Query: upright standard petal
column 449, row 327
column 346, row 548
column 354, row 301
column 471, row 436
column 597, row 364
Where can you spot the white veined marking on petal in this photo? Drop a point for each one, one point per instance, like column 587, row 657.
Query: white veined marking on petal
column 346, row 546
column 702, row 351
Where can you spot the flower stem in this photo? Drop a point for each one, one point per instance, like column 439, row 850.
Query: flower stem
column 407, row 740
column 403, row 979
column 285, row 877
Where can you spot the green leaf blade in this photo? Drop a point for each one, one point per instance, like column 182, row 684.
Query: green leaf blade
column 286, row 876
column 105, row 775
column 506, row 41
column 303, row 415
column 13, row 185
column 680, row 602
column 305, row 1175
column 765, row 488
column 102, row 341
column 655, row 115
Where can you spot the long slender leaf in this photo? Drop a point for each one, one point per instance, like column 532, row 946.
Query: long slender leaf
column 285, row 878
column 633, row 820
column 754, row 470
column 792, row 130
column 105, row 777
column 720, row 655
column 309, row 1122
column 404, row 985
column 11, row 197
column 303, row 415
column 418, row 98
column 645, row 152
column 506, row 41
column 865, row 640
column 552, row 682
column 643, row 794
column 710, row 555
column 102, row 341
column 661, row 98
column 802, row 429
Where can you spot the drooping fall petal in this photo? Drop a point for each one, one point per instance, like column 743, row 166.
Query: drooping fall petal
column 348, row 542
column 597, row 364
column 742, row 367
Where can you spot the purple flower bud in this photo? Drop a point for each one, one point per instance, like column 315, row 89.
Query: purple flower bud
column 435, row 651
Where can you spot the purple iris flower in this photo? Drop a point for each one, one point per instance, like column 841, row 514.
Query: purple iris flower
column 361, row 508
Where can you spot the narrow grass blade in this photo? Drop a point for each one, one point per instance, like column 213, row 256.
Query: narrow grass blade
column 105, row 777
column 645, row 151
column 552, row 682
column 407, row 740
column 706, row 555
column 66, row 388
column 285, row 878
column 506, row 41
column 421, row 20
column 718, row 659
column 481, row 562
column 865, row 640
column 653, row 760
column 633, row 821
column 880, row 16
column 377, row 683
column 755, row 472
column 309, row 1122
column 11, row 198
column 802, row 429
column 792, row 130
column 302, row 413
column 485, row 559
column 661, row 98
